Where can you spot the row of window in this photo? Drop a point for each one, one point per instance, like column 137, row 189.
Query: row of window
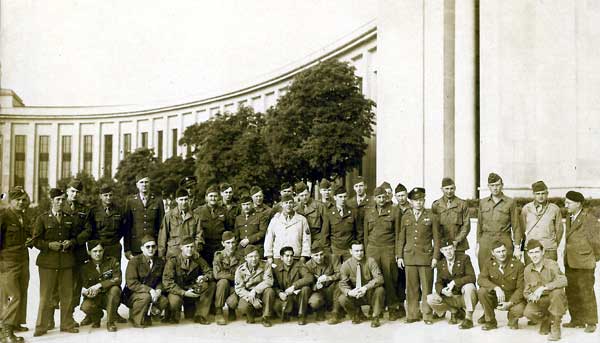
column 66, row 157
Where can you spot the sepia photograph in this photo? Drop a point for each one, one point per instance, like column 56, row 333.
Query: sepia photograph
column 299, row 171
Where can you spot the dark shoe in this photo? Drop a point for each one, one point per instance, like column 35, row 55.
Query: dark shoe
column 76, row 323
column 589, row 328
column 111, row 327
column 460, row 314
column 513, row 324
column 302, row 320
column 545, row 326
column 401, row 312
column 121, row 319
column 428, row 321
column 453, row 319
column 51, row 323
column 231, row 315
column 249, row 320
column 481, row 320
column 266, row 322
column 86, row 321
column 20, row 328
column 201, row 320
column 413, row 320
column 8, row 335
column 361, row 316
column 393, row 315
column 138, row 326
column 38, row 333
column 531, row 322
column 466, row 324
column 572, row 325
column 356, row 319
column 220, row 319
column 489, row 326
column 375, row 322
column 334, row 319
column 438, row 316
column 70, row 330
column 95, row 325
column 320, row 316
column 554, row 331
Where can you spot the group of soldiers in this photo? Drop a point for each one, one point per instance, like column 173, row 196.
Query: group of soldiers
column 301, row 256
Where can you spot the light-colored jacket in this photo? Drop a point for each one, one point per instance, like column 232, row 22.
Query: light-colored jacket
column 293, row 232
column 258, row 280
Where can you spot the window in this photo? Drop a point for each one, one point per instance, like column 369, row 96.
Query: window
column 126, row 144
column 108, row 155
column 87, row 154
column 19, row 179
column 174, row 144
column 159, row 146
column 43, row 157
column 144, row 139
column 65, row 157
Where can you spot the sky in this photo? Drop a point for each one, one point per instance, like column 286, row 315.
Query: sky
column 110, row 52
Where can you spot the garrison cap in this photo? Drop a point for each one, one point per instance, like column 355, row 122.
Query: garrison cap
column 316, row 247
column 55, row 192
column 324, row 184
column 181, row 192
column 93, row 243
column 75, row 184
column 249, row 249
column 379, row 191
column 575, row 196
column 539, row 186
column 188, row 182
column 245, row 198
column 105, row 188
column 493, row 177
column 497, row 244
column 357, row 179
column 284, row 186
column 400, row 188
column 186, row 240
column 17, row 193
column 254, row 190
column 148, row 238
column 287, row 197
column 300, row 187
column 534, row 243
column 141, row 175
column 416, row 193
column 224, row 186
column 447, row 182
column 339, row 190
column 212, row 189
column 386, row 185
column 227, row 235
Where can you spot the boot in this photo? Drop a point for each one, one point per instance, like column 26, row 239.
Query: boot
column 219, row 317
column 545, row 326
column 8, row 335
column 555, row 329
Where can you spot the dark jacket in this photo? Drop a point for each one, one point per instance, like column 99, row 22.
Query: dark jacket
column 340, row 230
column 298, row 276
column 254, row 228
column 213, row 223
column 15, row 234
column 108, row 228
column 381, row 229
column 371, row 275
column 329, row 267
column 511, row 281
column 582, row 248
column 454, row 221
column 419, row 240
column 462, row 274
column 314, row 212
column 224, row 266
column 48, row 229
column 140, row 279
column 82, row 218
column 177, row 278
column 110, row 273
column 142, row 220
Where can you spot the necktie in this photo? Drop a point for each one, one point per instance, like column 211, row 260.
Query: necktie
column 450, row 265
column 58, row 217
column 187, row 263
column 150, row 263
column 501, row 269
column 98, row 268
column 341, row 211
column 358, row 276
column 107, row 211
column 72, row 206
column 449, row 203
column 417, row 214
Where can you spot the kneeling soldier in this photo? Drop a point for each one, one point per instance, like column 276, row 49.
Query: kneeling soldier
column 454, row 287
column 501, row 287
column 189, row 281
column 224, row 265
column 253, row 282
column 292, row 285
column 361, row 283
column 101, row 282
column 143, row 289
column 545, row 291
column 324, row 291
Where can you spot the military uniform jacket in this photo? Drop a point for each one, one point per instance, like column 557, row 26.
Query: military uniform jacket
column 253, row 228
column 15, row 230
column 108, row 228
column 582, row 248
column 419, row 239
column 462, row 274
column 139, row 278
column 82, row 217
column 361, row 207
column 497, row 219
column 263, row 210
column 549, row 276
column 381, row 227
column 314, row 212
column 545, row 226
column 212, row 222
column 340, row 230
column 511, row 280
column 48, row 229
column 109, row 275
column 454, row 221
column 231, row 212
column 177, row 278
column 371, row 275
column 258, row 279
column 142, row 220
column 293, row 232
column 297, row 275
column 174, row 227
column 328, row 267
column 224, row 266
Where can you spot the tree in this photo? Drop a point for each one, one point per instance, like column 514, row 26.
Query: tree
column 140, row 161
column 169, row 173
column 320, row 126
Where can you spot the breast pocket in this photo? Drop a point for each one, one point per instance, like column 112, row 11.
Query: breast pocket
column 13, row 234
column 502, row 214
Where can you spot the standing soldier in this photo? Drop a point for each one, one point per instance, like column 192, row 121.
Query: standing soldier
column 178, row 223
column 582, row 250
column 361, row 201
column 224, row 265
column 231, row 208
column 498, row 220
column 189, row 281
column 325, row 190
column 258, row 198
column 250, row 226
column 542, row 221
column 253, row 285
column 325, row 290
column 109, row 223
column 55, row 235
column 189, row 183
column 501, row 287
column 212, row 218
column 388, row 191
column 453, row 214
column 312, row 210
column 418, row 250
column 401, row 195
column 287, row 228
column 15, row 238
column 144, row 285
column 101, row 281
column 144, row 216
column 285, row 189
column 292, row 283
column 341, row 227
column 381, row 225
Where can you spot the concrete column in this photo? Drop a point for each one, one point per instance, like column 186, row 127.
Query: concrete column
column 6, row 157
column 97, row 152
column 29, row 159
column 76, row 152
column 53, row 153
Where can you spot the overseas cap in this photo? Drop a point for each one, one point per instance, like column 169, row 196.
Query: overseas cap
column 254, row 190
column 224, row 186
column 386, row 185
column 227, row 235
column 212, row 189
column 324, row 183
column 539, row 186
column 55, row 192
column 245, row 198
column 92, row 244
column 300, row 187
column 447, row 182
column 493, row 177
column 357, row 179
column 75, row 184
column 141, row 175
column 105, row 188
column 534, row 243
column 250, row 248
column 316, row 247
column 284, row 186
column 339, row 190
column 17, row 193
column 287, row 197
column 379, row 191
column 186, row 240
column 148, row 238
column 400, row 188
